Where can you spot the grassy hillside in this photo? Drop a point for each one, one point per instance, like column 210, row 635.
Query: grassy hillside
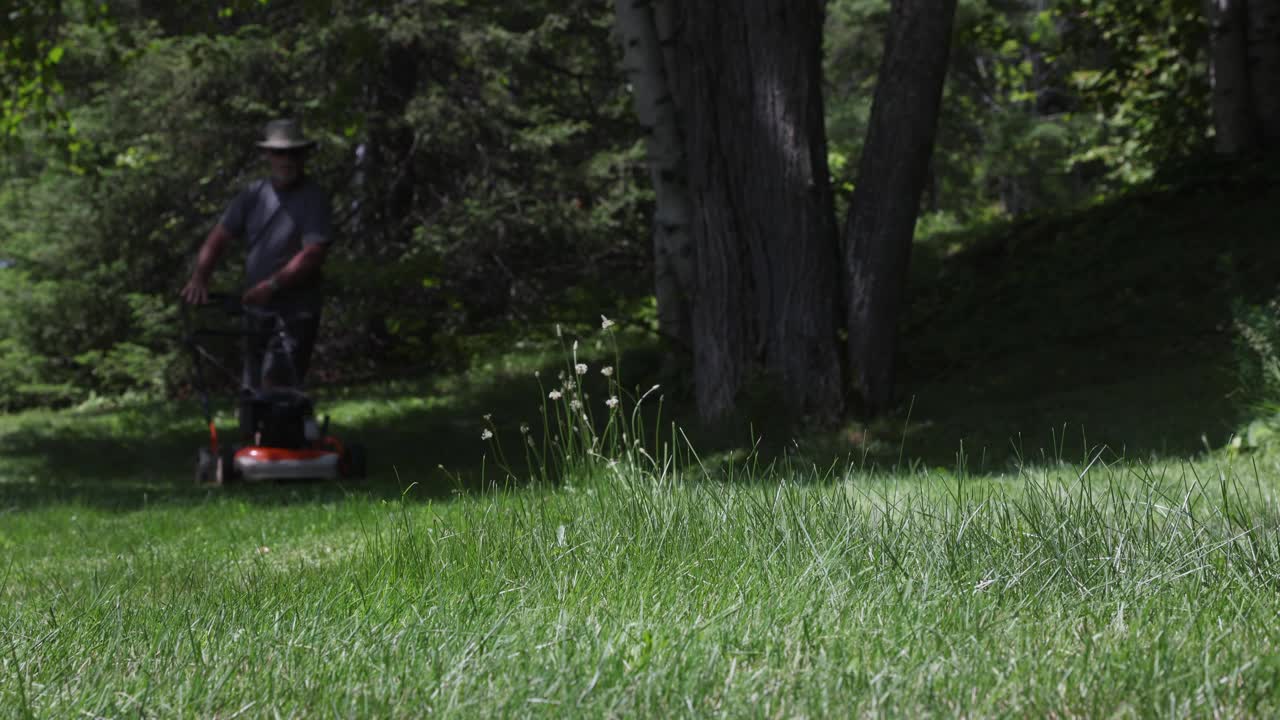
column 1113, row 323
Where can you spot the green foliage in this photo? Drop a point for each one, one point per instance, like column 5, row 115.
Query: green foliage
column 1258, row 342
column 1005, row 134
column 482, row 159
column 1007, row 128
column 1048, row 105
column 1144, row 68
column 20, row 370
column 1257, row 346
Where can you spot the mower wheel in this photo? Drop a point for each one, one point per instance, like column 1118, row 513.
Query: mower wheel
column 226, row 472
column 206, row 467
column 355, row 461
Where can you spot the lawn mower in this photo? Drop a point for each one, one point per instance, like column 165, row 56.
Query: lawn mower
column 280, row 436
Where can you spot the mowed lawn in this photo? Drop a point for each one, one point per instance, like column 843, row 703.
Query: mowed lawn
column 1094, row 588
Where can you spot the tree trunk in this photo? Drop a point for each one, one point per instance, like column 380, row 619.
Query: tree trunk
column 749, row 89
column 645, row 67
column 1234, row 118
column 665, row 20
column 1264, row 67
column 891, row 176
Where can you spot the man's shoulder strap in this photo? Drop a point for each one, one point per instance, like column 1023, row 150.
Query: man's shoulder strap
column 257, row 191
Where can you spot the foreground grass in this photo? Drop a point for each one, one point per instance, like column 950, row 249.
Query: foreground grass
column 1121, row 590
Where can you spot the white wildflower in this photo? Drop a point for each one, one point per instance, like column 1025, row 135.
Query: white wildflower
column 569, row 385
column 607, row 371
column 606, row 323
column 580, row 368
column 488, row 416
column 575, row 405
column 555, row 395
column 612, row 402
column 486, row 435
column 524, row 428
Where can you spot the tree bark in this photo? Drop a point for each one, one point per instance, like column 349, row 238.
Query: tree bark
column 1234, row 119
column 1264, row 67
column 665, row 20
column 891, row 177
column 750, row 93
column 645, row 68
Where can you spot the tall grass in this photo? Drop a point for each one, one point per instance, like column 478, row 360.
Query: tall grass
column 615, row 573
column 1101, row 590
column 581, row 433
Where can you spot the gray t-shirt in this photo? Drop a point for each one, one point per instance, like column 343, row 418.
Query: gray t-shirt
column 276, row 225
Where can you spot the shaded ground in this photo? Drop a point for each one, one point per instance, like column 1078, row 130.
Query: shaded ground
column 423, row 440
column 1115, row 323
column 1043, row 340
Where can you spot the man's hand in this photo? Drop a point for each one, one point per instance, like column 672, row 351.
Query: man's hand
column 196, row 291
column 259, row 294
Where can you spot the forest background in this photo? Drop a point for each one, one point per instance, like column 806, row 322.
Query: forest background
column 490, row 176
column 1035, row 472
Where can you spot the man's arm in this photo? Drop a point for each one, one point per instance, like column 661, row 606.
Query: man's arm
column 196, row 290
column 301, row 268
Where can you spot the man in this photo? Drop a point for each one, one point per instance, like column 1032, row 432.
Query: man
column 284, row 222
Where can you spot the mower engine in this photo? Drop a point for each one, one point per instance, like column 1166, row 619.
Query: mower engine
column 287, row 441
column 278, row 418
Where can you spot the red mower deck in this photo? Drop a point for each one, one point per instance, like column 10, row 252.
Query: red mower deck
column 265, row 463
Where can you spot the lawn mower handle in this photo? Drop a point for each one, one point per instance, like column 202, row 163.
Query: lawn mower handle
column 232, row 306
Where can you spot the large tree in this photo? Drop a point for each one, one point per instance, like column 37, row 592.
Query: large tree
column 749, row 88
column 891, row 178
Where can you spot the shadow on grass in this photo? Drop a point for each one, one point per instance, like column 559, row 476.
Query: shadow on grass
column 1043, row 341
column 129, row 457
column 423, row 440
column 1115, row 323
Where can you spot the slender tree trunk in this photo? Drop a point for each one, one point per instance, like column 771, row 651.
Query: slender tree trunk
column 665, row 20
column 891, row 176
column 1234, row 118
column 1264, row 67
column 767, row 271
column 645, row 67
